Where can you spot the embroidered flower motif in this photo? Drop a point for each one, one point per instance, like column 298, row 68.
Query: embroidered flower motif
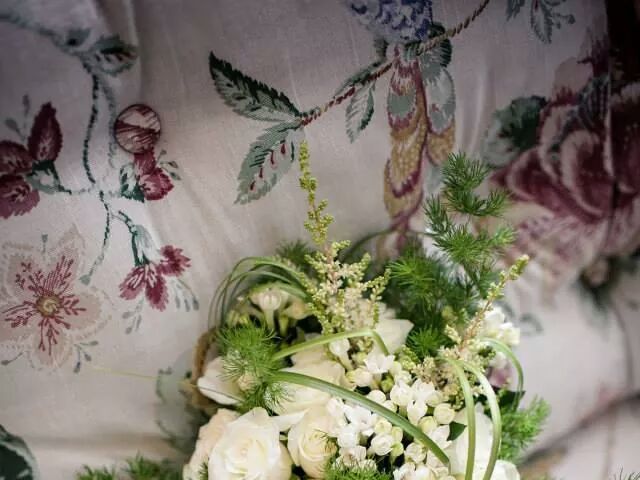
column 150, row 277
column 17, row 196
column 152, row 179
column 44, row 312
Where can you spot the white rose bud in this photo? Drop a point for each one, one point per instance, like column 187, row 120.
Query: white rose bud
column 401, row 394
column 361, row 377
column 382, row 427
column 377, row 396
column 428, row 425
column 415, row 452
column 215, row 385
column 415, row 411
column 444, row 414
column 381, row 445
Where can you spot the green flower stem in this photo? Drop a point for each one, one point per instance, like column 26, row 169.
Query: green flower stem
column 324, row 339
column 504, row 349
column 335, row 390
column 495, row 417
column 471, row 414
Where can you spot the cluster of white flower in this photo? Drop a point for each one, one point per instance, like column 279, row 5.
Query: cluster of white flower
column 311, row 427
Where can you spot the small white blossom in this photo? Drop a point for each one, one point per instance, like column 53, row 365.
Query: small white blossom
column 360, row 377
column 405, row 472
column 361, row 418
column 499, row 361
column 395, row 369
column 353, row 456
column 378, row 363
column 381, row 445
column 377, row 396
column 509, row 334
column 269, row 299
column 415, row 452
column 428, row 425
column 340, row 349
column 423, row 473
column 424, row 392
column 348, row 436
column 389, row 405
column 401, row 394
column 444, row 414
column 382, row 427
column 416, row 410
column 402, row 377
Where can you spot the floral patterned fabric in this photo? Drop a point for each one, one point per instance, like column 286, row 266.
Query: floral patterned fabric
column 145, row 146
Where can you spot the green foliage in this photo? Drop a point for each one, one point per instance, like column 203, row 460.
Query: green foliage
column 339, row 471
column 521, row 427
column 426, row 341
column 463, row 240
column 249, row 359
column 203, row 473
column 296, row 252
column 138, row 468
column 444, row 288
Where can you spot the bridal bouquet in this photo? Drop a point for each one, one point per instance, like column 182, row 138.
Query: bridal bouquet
column 319, row 366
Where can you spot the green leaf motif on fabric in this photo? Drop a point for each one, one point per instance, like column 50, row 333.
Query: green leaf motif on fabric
column 269, row 158
column 16, row 460
column 111, row 55
column 434, row 60
column 129, row 187
column 544, row 17
column 512, row 130
column 359, row 111
column 249, row 97
column 441, row 100
column 401, row 105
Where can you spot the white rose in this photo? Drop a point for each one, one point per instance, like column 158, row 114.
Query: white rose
column 299, row 398
column 393, row 332
column 444, row 414
column 250, row 448
column 415, row 411
column 308, row 441
column 457, row 451
column 401, row 394
column 381, row 445
column 208, row 436
column 214, row 384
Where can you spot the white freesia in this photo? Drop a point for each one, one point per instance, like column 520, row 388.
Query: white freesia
column 458, row 449
column 382, row 427
column 427, row 393
column 348, row 436
column 405, row 472
column 215, row 385
column 378, row 363
column 377, row 396
column 444, row 414
column 339, row 347
column 208, row 437
column 381, row 445
column 308, row 441
column 250, row 448
column 415, row 452
column 415, row 411
column 299, row 398
column 361, row 377
column 361, row 418
column 353, row 456
column 401, row 394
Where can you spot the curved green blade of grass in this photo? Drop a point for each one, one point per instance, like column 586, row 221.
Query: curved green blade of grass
column 471, row 414
column 504, row 349
column 496, row 418
column 324, row 339
column 393, row 418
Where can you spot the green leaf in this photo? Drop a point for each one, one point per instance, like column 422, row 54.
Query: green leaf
column 111, row 55
column 129, row 187
column 513, row 8
column 269, row 158
column 359, row 111
column 455, row 430
column 249, row 97
column 513, row 130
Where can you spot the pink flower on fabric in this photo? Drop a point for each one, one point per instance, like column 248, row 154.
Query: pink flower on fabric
column 44, row 310
column 152, row 179
column 17, row 196
column 150, row 277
